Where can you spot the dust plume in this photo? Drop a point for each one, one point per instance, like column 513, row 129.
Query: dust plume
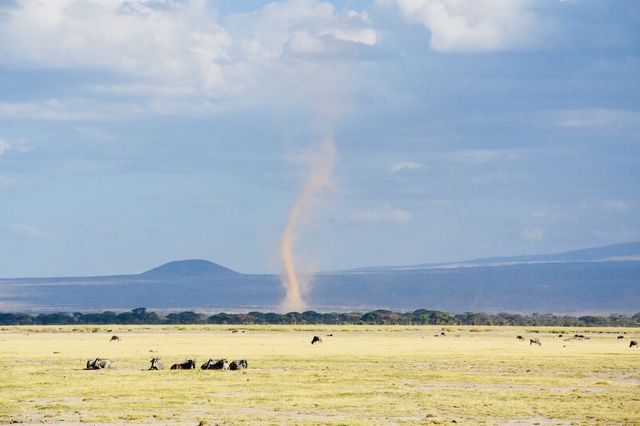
column 320, row 168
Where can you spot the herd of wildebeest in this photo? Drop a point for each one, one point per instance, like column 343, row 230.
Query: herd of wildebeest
column 240, row 364
column 536, row 341
column 189, row 364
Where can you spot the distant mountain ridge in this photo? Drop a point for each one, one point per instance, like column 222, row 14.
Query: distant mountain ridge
column 615, row 252
column 596, row 280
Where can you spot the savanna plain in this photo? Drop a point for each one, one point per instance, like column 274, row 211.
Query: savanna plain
column 357, row 375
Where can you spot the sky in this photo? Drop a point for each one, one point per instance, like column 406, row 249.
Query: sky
column 135, row 132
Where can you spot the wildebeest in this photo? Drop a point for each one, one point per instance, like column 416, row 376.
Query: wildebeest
column 156, row 364
column 633, row 343
column 316, row 339
column 99, row 364
column 238, row 364
column 579, row 336
column 535, row 341
column 114, row 338
column 620, row 337
column 220, row 364
column 519, row 337
column 189, row 364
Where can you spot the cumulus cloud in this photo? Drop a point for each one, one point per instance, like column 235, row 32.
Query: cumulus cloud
column 177, row 41
column 384, row 214
column 474, row 25
column 176, row 49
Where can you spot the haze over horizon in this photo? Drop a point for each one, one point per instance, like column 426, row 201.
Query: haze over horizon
column 137, row 132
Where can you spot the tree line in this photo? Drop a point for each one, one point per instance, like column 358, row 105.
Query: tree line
column 377, row 317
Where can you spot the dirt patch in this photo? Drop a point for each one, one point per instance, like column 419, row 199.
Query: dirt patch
column 542, row 421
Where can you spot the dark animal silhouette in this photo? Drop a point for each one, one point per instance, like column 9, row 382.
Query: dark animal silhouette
column 579, row 336
column 156, row 364
column 99, row 364
column 234, row 331
column 330, row 335
column 633, row 343
column 620, row 337
column 519, row 337
column 114, row 338
column 535, row 341
column 189, row 364
column 316, row 339
column 238, row 364
column 220, row 364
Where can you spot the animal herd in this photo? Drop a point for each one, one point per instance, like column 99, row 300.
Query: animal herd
column 536, row 341
column 240, row 364
column 190, row 364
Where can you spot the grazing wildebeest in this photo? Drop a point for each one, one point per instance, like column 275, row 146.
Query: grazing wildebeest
column 620, row 337
column 633, row 343
column 535, row 341
column 234, row 331
column 114, row 338
column 519, row 337
column 316, row 339
column 156, row 364
column 579, row 336
column 99, row 364
column 238, row 364
column 189, row 364
column 220, row 364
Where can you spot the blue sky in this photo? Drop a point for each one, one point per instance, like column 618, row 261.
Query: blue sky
column 137, row 132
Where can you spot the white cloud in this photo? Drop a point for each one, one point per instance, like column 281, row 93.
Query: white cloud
column 7, row 182
column 177, row 49
column 178, row 41
column 474, row 25
column 363, row 36
column 30, row 231
column 616, row 206
column 15, row 146
column 405, row 165
column 384, row 214
column 593, row 117
column 52, row 109
column 4, row 146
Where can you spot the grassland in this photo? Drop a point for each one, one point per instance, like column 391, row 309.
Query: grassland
column 360, row 375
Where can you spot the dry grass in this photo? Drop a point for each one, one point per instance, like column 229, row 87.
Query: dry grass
column 360, row 375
